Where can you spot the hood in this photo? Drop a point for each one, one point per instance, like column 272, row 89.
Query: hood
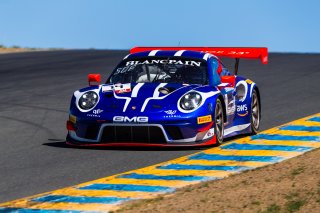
column 141, row 97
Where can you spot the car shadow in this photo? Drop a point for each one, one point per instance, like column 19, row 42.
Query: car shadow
column 59, row 143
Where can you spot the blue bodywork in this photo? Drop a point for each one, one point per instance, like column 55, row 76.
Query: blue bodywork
column 128, row 117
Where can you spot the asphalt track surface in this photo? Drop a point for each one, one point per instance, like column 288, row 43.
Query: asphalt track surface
column 35, row 91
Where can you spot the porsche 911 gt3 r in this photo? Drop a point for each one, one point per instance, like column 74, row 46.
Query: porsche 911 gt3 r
column 167, row 96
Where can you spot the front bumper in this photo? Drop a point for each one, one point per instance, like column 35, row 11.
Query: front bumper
column 208, row 142
column 111, row 134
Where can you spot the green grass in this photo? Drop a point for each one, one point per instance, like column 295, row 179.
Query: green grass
column 294, row 205
column 158, row 198
column 188, row 189
column 205, row 185
column 292, row 195
column 297, row 171
column 273, row 208
column 255, row 203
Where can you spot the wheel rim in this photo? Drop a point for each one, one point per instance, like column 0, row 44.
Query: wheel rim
column 255, row 111
column 219, row 121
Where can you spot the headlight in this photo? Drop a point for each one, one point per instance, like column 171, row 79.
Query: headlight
column 190, row 101
column 88, row 100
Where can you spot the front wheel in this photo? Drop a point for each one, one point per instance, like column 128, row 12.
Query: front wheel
column 218, row 122
column 255, row 113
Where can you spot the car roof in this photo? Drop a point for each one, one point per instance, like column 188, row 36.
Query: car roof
column 166, row 53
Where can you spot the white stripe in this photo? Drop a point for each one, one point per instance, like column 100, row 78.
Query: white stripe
column 251, row 90
column 153, row 53
column 235, row 129
column 223, row 84
column 135, row 90
column 206, row 56
column 128, row 99
column 179, row 53
column 126, row 56
column 155, row 96
column 156, row 91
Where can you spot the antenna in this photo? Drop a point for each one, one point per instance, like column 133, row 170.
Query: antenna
column 236, row 66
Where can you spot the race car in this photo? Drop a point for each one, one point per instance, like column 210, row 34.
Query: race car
column 167, row 96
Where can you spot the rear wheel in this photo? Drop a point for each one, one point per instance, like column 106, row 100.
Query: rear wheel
column 218, row 122
column 255, row 113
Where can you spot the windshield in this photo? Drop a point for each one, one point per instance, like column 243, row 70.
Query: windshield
column 160, row 69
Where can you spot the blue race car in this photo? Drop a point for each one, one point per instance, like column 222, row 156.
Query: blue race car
column 167, row 96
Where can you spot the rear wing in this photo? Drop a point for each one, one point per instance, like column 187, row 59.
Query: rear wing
column 229, row 52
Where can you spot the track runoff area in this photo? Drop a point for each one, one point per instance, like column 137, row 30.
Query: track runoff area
column 107, row 194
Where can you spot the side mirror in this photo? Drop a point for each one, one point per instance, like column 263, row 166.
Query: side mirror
column 94, row 78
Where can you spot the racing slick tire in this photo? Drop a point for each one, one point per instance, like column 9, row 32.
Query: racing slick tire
column 218, row 122
column 255, row 113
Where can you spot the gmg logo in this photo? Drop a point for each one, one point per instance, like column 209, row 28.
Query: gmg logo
column 136, row 119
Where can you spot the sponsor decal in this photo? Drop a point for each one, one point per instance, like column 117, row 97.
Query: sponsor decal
column 242, row 110
column 73, row 118
column 108, row 88
column 93, row 115
column 122, row 88
column 164, row 61
column 97, row 111
column 230, row 52
column 135, row 119
column 171, row 112
column 204, row 119
column 123, row 69
column 117, row 88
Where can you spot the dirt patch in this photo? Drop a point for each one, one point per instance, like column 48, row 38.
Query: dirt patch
column 4, row 50
column 289, row 186
column 14, row 50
